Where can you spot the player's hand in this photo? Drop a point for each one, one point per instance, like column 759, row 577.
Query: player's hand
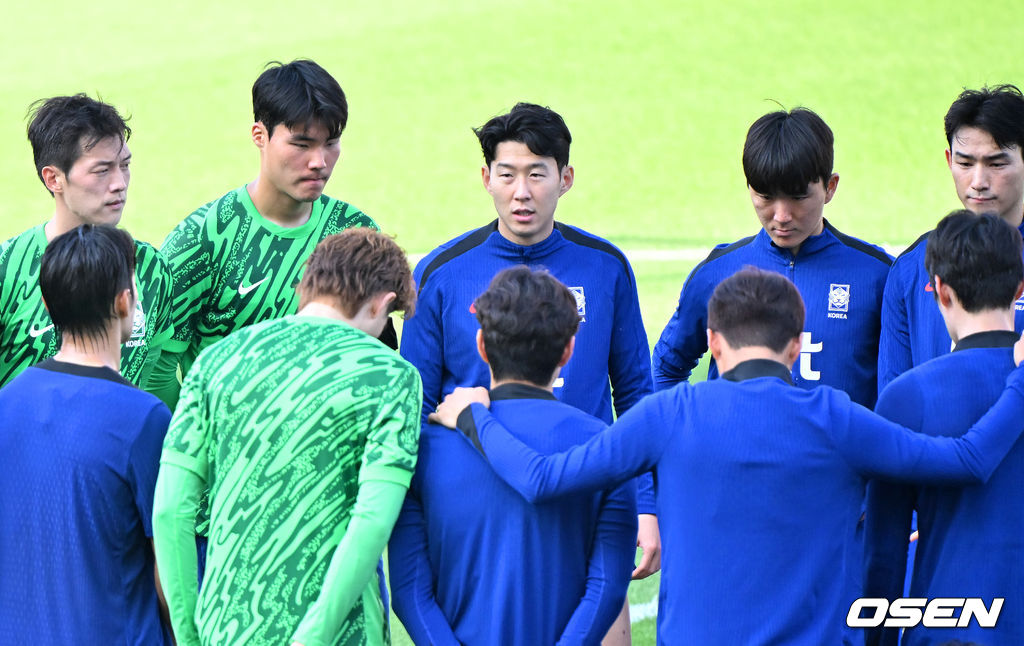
column 648, row 539
column 1018, row 350
column 447, row 412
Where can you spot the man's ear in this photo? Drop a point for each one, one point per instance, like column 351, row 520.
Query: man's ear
column 381, row 303
column 53, row 179
column 792, row 351
column 831, row 186
column 568, row 176
column 123, row 304
column 1020, row 290
column 944, row 294
column 714, row 343
column 260, row 136
column 567, row 352
column 480, row 349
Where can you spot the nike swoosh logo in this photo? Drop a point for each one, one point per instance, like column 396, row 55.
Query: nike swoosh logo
column 33, row 332
column 244, row 290
column 928, row 287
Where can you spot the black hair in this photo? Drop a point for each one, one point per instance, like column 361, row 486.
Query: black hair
column 999, row 111
column 755, row 307
column 979, row 257
column 61, row 128
column 81, row 273
column 527, row 318
column 786, row 151
column 542, row 130
column 298, row 94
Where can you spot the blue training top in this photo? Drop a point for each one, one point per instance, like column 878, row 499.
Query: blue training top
column 759, row 491
column 972, row 538
column 473, row 563
column 81, row 450
column 840, row 279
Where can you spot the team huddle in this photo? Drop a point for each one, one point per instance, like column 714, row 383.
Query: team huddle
column 215, row 442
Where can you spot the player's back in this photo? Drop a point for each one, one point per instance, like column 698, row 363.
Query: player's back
column 293, row 411
column 507, row 571
column 81, row 448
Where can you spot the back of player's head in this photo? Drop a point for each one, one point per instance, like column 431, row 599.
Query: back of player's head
column 542, row 130
column 979, row 257
column 527, row 318
column 999, row 111
column 81, row 274
column 299, row 93
column 786, row 151
column 61, row 128
column 754, row 307
column 351, row 267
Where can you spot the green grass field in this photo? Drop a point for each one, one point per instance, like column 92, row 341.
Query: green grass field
column 658, row 95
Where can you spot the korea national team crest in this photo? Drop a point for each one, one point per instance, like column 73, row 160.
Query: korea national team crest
column 838, row 301
column 581, row 302
column 138, row 337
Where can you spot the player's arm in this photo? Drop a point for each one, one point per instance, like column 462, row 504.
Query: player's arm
column 423, row 339
column 412, row 577
column 178, row 492
column 608, row 568
column 154, row 274
column 630, row 446
column 684, row 340
column 389, row 458
column 878, row 448
column 890, row 508
column 894, row 353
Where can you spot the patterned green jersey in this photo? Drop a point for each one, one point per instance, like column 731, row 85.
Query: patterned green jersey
column 26, row 332
column 283, row 420
column 232, row 267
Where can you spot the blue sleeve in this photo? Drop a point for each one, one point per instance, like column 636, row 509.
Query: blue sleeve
column 890, row 508
column 684, row 340
column 630, row 446
column 412, row 579
column 878, row 448
column 423, row 341
column 608, row 569
column 894, row 353
column 144, row 462
column 629, row 367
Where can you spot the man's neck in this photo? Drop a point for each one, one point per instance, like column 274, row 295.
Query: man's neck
column 276, row 206
column 61, row 222
column 963, row 324
column 730, row 357
column 101, row 351
column 503, row 382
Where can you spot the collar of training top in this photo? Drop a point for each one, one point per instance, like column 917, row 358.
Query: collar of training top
column 95, row 372
column 520, row 391
column 754, row 368
column 990, row 339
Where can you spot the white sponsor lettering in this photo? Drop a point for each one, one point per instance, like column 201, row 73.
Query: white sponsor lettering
column 806, row 350
column 938, row 613
column 244, row 290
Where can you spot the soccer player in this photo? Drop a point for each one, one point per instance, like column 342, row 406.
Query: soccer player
column 81, row 447
column 787, row 160
column 492, row 556
column 237, row 259
column 304, row 430
column 80, row 147
column 971, row 539
column 985, row 134
column 759, row 481
column 526, row 170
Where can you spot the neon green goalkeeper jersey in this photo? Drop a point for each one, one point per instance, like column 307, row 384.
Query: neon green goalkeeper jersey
column 283, row 420
column 232, row 267
column 26, row 331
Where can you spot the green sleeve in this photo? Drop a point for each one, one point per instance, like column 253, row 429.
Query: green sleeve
column 354, row 561
column 163, row 380
column 176, row 500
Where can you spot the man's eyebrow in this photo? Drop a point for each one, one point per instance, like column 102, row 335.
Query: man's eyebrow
column 300, row 136
column 999, row 156
column 509, row 165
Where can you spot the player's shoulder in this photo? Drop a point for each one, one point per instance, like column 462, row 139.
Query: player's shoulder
column 592, row 243
column 150, row 264
column 452, row 252
column 913, row 255
column 860, row 250
column 723, row 257
column 30, row 242
column 202, row 224
column 340, row 215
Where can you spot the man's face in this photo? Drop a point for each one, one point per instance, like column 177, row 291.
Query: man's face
column 95, row 188
column 988, row 179
column 790, row 219
column 525, row 188
column 298, row 161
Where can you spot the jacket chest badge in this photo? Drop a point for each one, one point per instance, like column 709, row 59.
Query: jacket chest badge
column 581, row 302
column 838, row 301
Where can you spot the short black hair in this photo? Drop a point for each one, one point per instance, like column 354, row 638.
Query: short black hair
column 527, row 318
column 61, row 128
column 786, row 151
column 979, row 257
column 299, row 93
column 80, row 275
column 542, row 130
column 756, row 307
column 999, row 111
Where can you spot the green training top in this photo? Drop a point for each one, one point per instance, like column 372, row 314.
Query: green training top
column 232, row 267
column 283, row 420
column 26, row 331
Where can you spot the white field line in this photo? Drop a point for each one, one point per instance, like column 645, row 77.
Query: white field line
column 643, row 611
column 691, row 254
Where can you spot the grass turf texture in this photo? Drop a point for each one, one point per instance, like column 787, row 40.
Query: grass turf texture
column 658, row 95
